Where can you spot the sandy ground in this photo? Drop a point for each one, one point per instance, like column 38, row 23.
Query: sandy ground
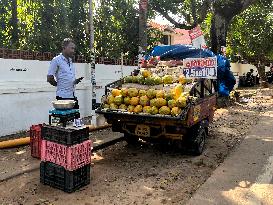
column 146, row 174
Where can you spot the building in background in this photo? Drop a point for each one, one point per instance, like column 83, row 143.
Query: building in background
column 171, row 36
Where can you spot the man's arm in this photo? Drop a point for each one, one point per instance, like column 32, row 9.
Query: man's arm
column 53, row 68
column 51, row 80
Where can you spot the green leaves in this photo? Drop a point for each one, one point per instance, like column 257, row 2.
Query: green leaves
column 251, row 33
column 116, row 24
column 43, row 24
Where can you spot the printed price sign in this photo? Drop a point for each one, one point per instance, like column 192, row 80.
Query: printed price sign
column 200, row 68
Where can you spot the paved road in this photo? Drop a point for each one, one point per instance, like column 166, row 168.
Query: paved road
column 246, row 176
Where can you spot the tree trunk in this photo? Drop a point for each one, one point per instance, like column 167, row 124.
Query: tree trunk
column 261, row 72
column 218, row 31
column 143, row 6
column 14, row 25
column 222, row 16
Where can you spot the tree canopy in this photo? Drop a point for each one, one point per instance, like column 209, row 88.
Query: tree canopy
column 251, row 33
column 41, row 26
column 193, row 12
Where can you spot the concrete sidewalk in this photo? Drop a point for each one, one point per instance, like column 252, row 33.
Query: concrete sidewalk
column 246, row 176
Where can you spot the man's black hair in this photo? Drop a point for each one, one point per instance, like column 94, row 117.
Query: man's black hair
column 66, row 42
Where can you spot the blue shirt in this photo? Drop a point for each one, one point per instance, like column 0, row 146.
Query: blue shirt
column 64, row 72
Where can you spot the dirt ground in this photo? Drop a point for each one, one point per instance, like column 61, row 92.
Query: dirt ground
column 146, row 174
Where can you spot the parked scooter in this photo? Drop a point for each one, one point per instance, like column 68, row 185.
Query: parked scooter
column 247, row 80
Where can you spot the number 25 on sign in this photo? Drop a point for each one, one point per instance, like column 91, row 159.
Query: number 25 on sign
column 200, row 67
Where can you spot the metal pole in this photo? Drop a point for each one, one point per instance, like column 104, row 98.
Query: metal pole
column 91, row 22
column 92, row 63
column 122, row 65
column 92, row 53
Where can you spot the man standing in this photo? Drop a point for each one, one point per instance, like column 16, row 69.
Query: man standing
column 61, row 73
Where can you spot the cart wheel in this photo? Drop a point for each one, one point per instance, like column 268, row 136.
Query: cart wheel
column 131, row 139
column 198, row 139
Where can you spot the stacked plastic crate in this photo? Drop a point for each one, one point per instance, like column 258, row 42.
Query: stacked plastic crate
column 65, row 157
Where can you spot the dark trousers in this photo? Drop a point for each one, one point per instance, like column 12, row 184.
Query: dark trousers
column 76, row 106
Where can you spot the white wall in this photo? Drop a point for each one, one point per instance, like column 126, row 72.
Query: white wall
column 244, row 68
column 106, row 74
column 21, row 110
column 26, row 96
column 239, row 69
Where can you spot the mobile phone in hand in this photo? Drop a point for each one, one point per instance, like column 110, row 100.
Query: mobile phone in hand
column 77, row 81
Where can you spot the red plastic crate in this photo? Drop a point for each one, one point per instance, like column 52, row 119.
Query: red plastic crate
column 69, row 157
column 35, row 140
